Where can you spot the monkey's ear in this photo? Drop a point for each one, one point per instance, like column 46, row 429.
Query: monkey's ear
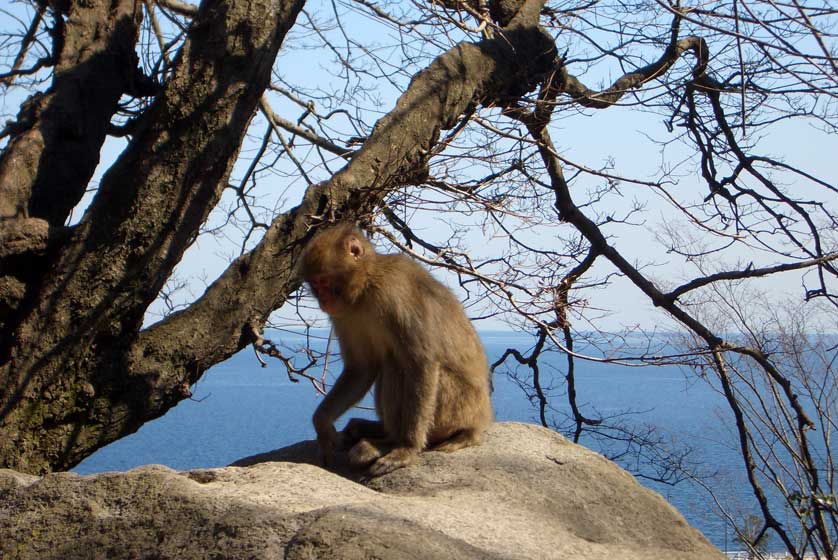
column 355, row 247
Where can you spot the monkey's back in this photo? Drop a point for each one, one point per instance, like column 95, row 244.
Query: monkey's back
column 418, row 308
column 424, row 323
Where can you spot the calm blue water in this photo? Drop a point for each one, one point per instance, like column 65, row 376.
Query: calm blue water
column 241, row 409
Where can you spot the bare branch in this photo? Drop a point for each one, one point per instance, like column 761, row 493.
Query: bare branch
column 749, row 272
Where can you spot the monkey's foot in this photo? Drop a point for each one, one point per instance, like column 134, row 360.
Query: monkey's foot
column 364, row 453
column 395, row 459
column 463, row 438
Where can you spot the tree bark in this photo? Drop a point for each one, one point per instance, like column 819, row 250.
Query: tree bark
column 55, row 145
column 55, row 142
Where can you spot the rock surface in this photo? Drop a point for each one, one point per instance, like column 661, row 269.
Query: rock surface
column 526, row 493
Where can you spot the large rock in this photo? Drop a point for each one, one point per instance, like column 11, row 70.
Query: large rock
column 525, row 493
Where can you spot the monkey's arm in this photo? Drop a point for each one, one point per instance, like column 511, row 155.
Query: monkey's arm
column 350, row 387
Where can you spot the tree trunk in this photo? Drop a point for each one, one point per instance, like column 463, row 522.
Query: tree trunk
column 67, row 388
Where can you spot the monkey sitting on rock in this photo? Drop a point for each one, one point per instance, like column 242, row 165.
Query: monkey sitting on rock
column 403, row 332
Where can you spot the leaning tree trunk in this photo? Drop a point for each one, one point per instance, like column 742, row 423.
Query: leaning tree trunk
column 77, row 369
column 67, row 387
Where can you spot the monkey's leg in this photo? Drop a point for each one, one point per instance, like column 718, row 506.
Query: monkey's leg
column 360, row 428
column 367, row 451
column 461, row 439
column 418, row 405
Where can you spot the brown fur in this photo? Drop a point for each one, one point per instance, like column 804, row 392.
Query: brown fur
column 405, row 333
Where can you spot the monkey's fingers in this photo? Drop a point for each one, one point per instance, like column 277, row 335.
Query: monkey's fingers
column 326, row 455
column 396, row 459
column 325, row 459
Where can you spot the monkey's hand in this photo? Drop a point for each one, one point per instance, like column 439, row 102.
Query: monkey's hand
column 395, row 459
column 327, row 440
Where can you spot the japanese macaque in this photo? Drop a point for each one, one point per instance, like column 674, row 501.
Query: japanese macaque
column 402, row 331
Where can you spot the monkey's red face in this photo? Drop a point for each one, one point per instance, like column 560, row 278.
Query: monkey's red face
column 333, row 265
column 328, row 293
